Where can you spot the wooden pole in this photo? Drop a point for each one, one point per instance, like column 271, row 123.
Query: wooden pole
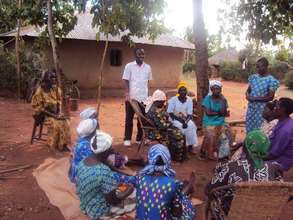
column 201, row 53
column 17, row 54
column 100, row 78
column 55, row 49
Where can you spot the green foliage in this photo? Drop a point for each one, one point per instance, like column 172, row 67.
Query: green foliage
column 188, row 67
column 278, row 69
column 8, row 14
column 265, row 19
column 8, row 76
column 232, row 71
column 282, row 54
column 127, row 17
column 289, row 80
column 214, row 44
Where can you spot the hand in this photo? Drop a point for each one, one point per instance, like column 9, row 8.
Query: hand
column 184, row 125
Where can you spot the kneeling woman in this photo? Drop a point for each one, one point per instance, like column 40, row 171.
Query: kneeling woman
column 174, row 138
column 96, row 183
column 46, row 103
column 159, row 195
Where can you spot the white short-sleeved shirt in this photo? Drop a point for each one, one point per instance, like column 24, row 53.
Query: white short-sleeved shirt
column 138, row 77
column 176, row 107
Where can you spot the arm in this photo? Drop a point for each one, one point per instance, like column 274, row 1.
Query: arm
column 126, row 86
column 269, row 97
column 279, row 146
column 210, row 112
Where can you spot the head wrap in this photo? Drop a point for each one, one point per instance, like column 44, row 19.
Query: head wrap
column 257, row 145
column 215, row 83
column 101, row 142
column 88, row 113
column 86, row 127
column 158, row 95
column 154, row 153
column 181, row 84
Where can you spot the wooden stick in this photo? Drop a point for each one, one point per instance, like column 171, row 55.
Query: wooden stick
column 12, row 177
column 15, row 169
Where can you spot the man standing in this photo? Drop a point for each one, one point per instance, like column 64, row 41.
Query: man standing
column 136, row 76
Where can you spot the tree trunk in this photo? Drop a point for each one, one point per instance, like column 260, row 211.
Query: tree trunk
column 55, row 50
column 100, row 78
column 201, row 54
column 17, row 54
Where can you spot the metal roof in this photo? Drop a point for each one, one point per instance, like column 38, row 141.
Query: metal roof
column 84, row 31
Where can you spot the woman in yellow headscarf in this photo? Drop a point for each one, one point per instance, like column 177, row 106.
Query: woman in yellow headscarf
column 180, row 109
column 46, row 104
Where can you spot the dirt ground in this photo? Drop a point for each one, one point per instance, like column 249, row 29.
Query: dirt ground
column 21, row 197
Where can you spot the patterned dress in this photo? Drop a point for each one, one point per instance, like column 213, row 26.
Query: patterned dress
column 155, row 196
column 81, row 151
column 168, row 133
column 92, row 183
column 233, row 172
column 58, row 130
column 260, row 87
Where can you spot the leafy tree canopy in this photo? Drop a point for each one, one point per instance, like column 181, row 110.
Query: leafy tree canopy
column 265, row 20
column 126, row 17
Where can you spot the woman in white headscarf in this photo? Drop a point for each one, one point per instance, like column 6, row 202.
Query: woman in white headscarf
column 98, row 186
column 85, row 130
column 166, row 132
column 215, row 110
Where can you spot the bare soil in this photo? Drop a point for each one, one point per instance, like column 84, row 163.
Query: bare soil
column 21, row 197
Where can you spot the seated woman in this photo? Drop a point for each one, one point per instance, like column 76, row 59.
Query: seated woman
column 180, row 109
column 159, row 195
column 85, row 130
column 281, row 151
column 267, row 127
column 88, row 113
column 97, row 184
column 46, row 103
column 252, row 168
column 215, row 110
column 167, row 132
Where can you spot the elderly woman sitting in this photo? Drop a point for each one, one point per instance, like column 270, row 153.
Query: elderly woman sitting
column 166, row 132
column 180, row 109
column 159, row 195
column 250, row 168
column 97, row 185
column 46, row 103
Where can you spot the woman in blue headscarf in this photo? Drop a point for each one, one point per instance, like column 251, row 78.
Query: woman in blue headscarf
column 159, row 195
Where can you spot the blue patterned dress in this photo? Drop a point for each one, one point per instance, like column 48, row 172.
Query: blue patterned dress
column 155, row 195
column 260, row 86
column 92, row 183
column 81, row 150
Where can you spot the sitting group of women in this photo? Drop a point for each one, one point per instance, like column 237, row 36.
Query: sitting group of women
column 106, row 191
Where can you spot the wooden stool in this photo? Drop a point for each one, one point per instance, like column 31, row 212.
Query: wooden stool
column 38, row 136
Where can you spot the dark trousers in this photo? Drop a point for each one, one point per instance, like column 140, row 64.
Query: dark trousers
column 129, row 112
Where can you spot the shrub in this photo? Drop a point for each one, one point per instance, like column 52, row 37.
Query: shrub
column 8, row 76
column 278, row 69
column 233, row 71
column 289, row 80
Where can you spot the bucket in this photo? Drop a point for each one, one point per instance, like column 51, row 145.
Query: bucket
column 74, row 104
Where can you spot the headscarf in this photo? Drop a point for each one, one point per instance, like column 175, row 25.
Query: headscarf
column 101, row 142
column 154, row 153
column 257, row 145
column 88, row 113
column 215, row 83
column 86, row 127
column 158, row 95
column 181, row 84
